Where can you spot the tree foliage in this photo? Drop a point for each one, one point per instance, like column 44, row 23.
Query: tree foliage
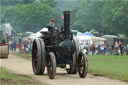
column 101, row 15
column 114, row 16
column 29, row 17
column 15, row 2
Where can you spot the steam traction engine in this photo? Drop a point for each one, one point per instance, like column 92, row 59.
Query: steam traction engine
column 58, row 49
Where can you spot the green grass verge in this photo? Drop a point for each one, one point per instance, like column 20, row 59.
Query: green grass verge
column 110, row 66
column 7, row 78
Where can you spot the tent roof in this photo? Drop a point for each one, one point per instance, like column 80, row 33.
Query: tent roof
column 98, row 39
column 84, row 37
column 88, row 34
column 110, row 36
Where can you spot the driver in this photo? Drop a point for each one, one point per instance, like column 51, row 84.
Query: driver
column 51, row 25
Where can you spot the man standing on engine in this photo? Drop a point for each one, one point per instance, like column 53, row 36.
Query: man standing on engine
column 51, row 25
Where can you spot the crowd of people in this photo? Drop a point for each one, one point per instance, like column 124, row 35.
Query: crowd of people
column 25, row 46
column 21, row 45
column 107, row 49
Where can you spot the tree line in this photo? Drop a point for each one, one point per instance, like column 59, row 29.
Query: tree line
column 105, row 16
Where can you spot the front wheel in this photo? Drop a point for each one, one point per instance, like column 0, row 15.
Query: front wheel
column 73, row 69
column 82, row 65
column 51, row 65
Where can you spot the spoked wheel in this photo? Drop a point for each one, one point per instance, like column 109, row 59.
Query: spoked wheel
column 38, row 56
column 82, row 65
column 51, row 65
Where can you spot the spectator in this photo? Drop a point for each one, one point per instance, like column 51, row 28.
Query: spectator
column 20, row 40
column 110, row 49
column 10, row 47
column 112, row 46
column 22, row 48
column 126, row 49
column 105, row 49
column 116, row 49
column 29, row 46
column 93, row 48
column 121, row 48
column 25, row 45
column 102, row 49
column 19, row 47
column 13, row 45
column 87, row 48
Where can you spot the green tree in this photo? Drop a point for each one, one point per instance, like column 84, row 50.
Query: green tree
column 29, row 17
column 89, row 15
column 114, row 16
column 15, row 2
column 49, row 2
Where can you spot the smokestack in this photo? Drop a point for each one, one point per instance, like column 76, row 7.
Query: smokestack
column 67, row 23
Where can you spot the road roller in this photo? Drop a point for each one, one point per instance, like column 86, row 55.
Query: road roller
column 4, row 48
column 58, row 49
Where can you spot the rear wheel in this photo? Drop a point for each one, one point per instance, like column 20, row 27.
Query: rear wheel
column 72, row 69
column 82, row 65
column 38, row 56
column 51, row 65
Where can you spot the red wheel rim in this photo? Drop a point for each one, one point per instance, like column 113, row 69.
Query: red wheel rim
column 81, row 64
column 49, row 66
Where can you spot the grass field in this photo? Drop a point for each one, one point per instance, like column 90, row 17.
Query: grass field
column 7, row 78
column 110, row 66
column 103, row 65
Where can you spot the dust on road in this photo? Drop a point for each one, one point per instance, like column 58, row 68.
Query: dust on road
column 22, row 66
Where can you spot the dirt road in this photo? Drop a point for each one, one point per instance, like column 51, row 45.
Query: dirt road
column 23, row 66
